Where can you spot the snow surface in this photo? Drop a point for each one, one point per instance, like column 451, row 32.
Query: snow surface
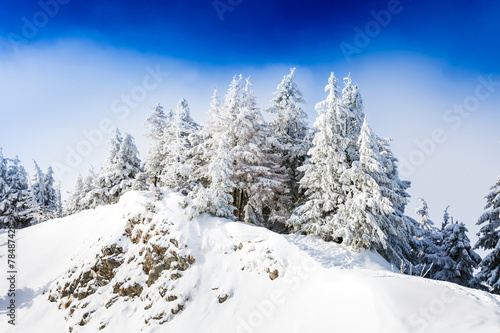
column 321, row 287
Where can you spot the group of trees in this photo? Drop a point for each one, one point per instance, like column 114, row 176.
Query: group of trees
column 25, row 202
column 446, row 253
column 123, row 172
column 489, row 239
column 337, row 180
column 449, row 254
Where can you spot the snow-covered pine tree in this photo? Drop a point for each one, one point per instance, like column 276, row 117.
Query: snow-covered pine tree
column 489, row 239
column 370, row 218
column 60, row 207
column 73, row 204
column 155, row 161
column 461, row 259
column 101, row 185
column 217, row 199
column 291, row 130
column 38, row 195
column 423, row 212
column 230, row 110
column 446, row 218
column 15, row 208
column 395, row 190
column 328, row 160
column 43, row 196
column 181, row 136
column 259, row 176
column 51, row 204
column 220, row 124
column 354, row 103
column 119, row 176
column 210, row 135
column 3, row 178
column 85, row 200
column 431, row 257
column 398, row 186
column 37, row 214
column 130, row 170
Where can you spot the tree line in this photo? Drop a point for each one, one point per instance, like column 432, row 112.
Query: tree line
column 25, row 201
column 337, row 180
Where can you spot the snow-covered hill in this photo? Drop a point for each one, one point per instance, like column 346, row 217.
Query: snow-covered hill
column 142, row 265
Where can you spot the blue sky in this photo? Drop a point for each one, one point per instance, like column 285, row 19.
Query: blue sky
column 68, row 67
column 302, row 32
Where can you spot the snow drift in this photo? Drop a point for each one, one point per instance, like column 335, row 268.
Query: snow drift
column 142, row 265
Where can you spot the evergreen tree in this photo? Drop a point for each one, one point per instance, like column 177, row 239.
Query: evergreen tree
column 120, row 174
column 73, row 204
column 51, row 204
column 129, row 169
column 423, row 212
column 328, row 160
column 461, row 259
column 3, row 178
column 182, row 137
column 43, row 195
column 155, row 162
column 354, row 103
column 370, row 218
column 446, row 218
column 395, row 189
column 489, row 239
column 432, row 258
column 258, row 175
column 217, row 199
column 15, row 208
column 398, row 186
column 210, row 136
column 60, row 207
column 290, row 128
column 38, row 195
column 230, row 110
column 85, row 198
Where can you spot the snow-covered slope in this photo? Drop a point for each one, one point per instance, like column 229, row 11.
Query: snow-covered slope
column 142, row 265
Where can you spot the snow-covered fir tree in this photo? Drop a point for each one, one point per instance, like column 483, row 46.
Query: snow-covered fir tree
column 38, row 195
column 51, row 204
column 120, row 174
column 210, row 135
column 155, row 161
column 354, row 103
column 44, row 198
column 489, row 240
column 460, row 258
column 80, row 199
column 431, row 256
column 398, row 186
column 60, row 205
column 217, row 199
column 129, row 167
column 229, row 111
column 15, row 203
column 423, row 212
column 73, row 204
column 3, row 178
column 370, row 217
column 259, row 176
column 328, row 160
column 4, row 189
column 291, row 130
column 446, row 218
column 180, row 138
